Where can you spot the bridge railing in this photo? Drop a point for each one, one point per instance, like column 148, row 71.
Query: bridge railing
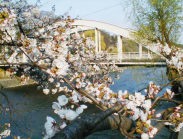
column 131, row 55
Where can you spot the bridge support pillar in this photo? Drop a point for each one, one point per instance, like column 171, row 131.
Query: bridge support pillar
column 120, row 47
column 99, row 43
column 140, row 51
column 83, row 34
column 96, row 41
column 98, row 47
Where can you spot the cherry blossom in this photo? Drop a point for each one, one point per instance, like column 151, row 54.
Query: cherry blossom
column 50, row 127
column 144, row 136
column 51, row 80
column 158, row 115
column 5, row 133
column 46, row 91
column 147, row 104
column 152, row 132
column 178, row 128
column 169, row 94
column 63, row 100
column 56, row 106
column 71, row 115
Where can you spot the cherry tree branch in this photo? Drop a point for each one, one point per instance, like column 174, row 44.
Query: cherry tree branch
column 82, row 126
column 84, row 93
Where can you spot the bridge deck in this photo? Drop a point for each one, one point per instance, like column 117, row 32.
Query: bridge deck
column 136, row 63
column 123, row 63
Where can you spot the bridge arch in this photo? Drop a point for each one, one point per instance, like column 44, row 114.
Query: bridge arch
column 127, row 33
column 120, row 32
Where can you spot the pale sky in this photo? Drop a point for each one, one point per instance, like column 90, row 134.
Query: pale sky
column 116, row 12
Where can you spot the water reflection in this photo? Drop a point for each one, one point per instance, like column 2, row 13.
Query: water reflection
column 137, row 78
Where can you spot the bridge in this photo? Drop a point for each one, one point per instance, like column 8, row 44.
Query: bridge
column 119, row 58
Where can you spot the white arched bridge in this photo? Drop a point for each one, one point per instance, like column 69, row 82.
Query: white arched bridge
column 83, row 25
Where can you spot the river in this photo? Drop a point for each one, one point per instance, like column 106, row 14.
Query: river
column 29, row 107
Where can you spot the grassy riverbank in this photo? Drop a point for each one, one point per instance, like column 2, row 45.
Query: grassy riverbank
column 9, row 81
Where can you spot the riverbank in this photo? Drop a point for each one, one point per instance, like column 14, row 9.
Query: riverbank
column 9, row 81
column 14, row 82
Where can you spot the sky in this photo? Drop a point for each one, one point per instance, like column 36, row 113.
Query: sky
column 108, row 11
column 116, row 12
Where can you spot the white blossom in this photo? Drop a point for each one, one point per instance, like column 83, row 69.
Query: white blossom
column 167, row 49
column 170, row 93
column 158, row 115
column 147, row 104
column 46, row 91
column 58, row 84
column 51, row 80
column 96, row 67
column 63, row 70
column 5, row 133
column 63, row 125
column 107, row 96
column 56, row 106
column 132, row 97
column 61, row 89
column 153, row 132
column 175, row 60
column 79, row 110
column 71, row 115
column 136, row 114
column 35, row 11
column 113, row 100
column 26, row 14
column 178, row 128
column 139, row 97
column 144, row 136
column 54, row 91
column 50, row 127
column 148, row 122
column 143, row 116
column 131, row 105
column 63, row 100
column 75, row 98
column 168, row 123
column 61, row 113
column 83, row 106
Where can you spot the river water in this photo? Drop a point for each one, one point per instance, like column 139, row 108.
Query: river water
column 29, row 107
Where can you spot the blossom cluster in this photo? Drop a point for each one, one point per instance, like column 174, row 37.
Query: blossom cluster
column 138, row 107
column 175, row 119
column 152, row 90
column 173, row 55
column 6, row 132
column 66, row 113
column 7, row 25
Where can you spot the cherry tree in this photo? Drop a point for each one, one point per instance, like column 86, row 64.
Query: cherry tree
column 59, row 60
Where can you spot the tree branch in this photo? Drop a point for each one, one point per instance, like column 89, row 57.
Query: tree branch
column 82, row 126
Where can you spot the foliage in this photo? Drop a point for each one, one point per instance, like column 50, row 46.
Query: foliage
column 108, row 42
column 158, row 20
column 91, row 33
